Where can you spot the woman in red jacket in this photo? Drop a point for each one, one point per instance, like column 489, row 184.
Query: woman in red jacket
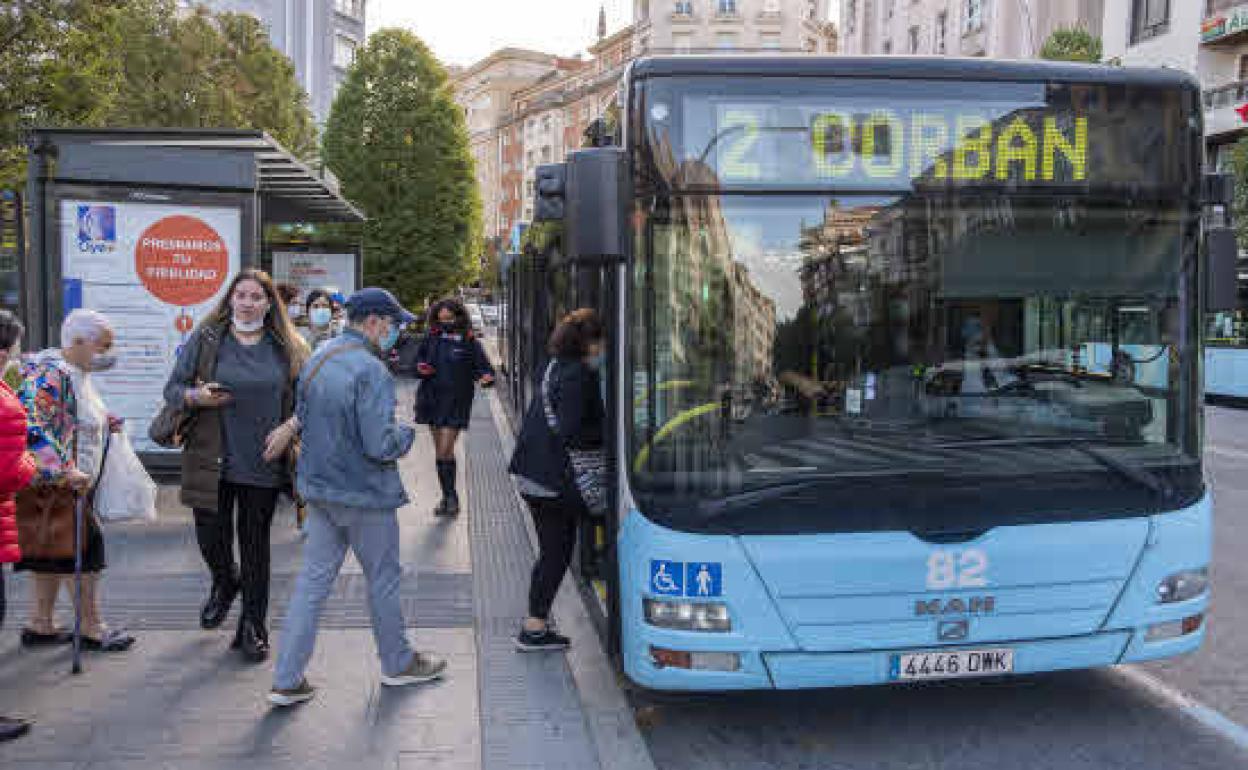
column 17, row 468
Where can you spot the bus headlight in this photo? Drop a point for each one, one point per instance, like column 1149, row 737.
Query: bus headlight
column 1182, row 586
column 688, row 616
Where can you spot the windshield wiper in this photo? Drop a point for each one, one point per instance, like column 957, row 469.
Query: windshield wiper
column 1140, row 476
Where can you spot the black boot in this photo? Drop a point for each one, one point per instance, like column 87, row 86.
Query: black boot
column 446, row 479
column 220, row 599
column 253, row 641
column 12, row 728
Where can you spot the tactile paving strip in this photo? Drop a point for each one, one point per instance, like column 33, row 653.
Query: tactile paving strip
column 430, row 600
column 531, row 715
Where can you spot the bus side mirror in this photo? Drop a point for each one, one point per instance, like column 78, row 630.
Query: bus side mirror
column 597, row 211
column 1222, row 250
column 550, row 189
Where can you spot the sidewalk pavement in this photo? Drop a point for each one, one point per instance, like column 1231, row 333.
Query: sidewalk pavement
column 181, row 700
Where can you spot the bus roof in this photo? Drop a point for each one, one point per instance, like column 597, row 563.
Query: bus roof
column 917, row 67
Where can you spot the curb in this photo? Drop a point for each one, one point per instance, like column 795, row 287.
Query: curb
column 612, row 725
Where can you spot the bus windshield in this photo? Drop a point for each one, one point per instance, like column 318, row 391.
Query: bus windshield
column 934, row 359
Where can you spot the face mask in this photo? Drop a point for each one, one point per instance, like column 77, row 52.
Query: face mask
column 388, row 339
column 321, row 316
column 102, row 362
column 248, row 327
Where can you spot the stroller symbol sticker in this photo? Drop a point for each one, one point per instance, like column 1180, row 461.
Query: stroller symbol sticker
column 667, row 578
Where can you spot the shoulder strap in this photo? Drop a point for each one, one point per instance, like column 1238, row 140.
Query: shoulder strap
column 209, row 346
column 547, row 405
column 316, row 369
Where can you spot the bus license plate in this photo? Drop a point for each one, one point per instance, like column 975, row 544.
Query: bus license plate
column 952, row 664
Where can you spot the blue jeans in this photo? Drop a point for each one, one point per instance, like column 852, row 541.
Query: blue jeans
column 373, row 536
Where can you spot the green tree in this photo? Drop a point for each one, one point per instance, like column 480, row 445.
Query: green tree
column 399, row 145
column 1072, row 44
column 141, row 63
column 1238, row 168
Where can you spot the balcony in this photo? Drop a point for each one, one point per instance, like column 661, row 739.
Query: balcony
column 1221, row 105
column 1225, row 28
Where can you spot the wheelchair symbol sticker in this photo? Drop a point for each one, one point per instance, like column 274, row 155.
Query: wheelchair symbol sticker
column 667, row 578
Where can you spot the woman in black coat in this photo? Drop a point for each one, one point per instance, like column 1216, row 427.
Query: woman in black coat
column 449, row 362
column 541, row 467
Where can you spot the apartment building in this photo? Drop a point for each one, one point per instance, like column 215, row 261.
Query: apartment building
column 713, row 26
column 320, row 37
column 1208, row 38
column 999, row 29
column 485, row 92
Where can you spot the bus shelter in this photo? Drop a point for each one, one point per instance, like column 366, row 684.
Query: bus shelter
column 148, row 226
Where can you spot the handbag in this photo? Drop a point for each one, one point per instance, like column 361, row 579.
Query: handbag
column 588, row 466
column 45, row 522
column 174, row 422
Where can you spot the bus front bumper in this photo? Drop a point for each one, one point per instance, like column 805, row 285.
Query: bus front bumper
column 800, row 670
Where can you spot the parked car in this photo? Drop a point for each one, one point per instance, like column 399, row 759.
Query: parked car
column 489, row 313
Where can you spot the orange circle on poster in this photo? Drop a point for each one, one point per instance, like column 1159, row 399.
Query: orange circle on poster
column 181, row 260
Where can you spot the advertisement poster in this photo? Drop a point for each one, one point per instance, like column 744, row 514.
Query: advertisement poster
column 307, row 271
column 155, row 270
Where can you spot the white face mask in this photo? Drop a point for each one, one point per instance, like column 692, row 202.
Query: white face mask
column 248, row 327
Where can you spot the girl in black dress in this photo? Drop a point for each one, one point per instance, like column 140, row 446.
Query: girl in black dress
column 449, row 362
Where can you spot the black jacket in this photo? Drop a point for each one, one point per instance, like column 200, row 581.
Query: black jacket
column 541, row 455
column 458, row 361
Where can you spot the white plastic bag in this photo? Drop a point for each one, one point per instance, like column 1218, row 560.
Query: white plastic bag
column 125, row 490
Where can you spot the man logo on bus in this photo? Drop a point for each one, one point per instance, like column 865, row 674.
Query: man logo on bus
column 704, row 579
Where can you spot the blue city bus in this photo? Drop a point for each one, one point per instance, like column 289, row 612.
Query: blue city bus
column 905, row 379
column 1226, row 348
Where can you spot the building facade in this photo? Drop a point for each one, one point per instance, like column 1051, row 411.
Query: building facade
column 716, row 26
column 320, row 37
column 485, row 92
column 1208, row 38
column 999, row 29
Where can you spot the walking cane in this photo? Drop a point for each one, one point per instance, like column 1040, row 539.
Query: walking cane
column 79, row 506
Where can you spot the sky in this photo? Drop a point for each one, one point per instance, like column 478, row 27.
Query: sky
column 465, row 31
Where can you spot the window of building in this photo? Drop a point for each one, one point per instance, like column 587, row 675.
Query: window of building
column 973, row 19
column 683, row 8
column 942, row 32
column 644, row 9
column 890, row 7
column 352, row 8
column 1217, row 6
column 888, row 46
column 914, row 40
column 344, row 51
column 726, row 41
column 770, row 41
column 682, row 42
column 812, row 10
column 727, row 7
column 546, row 154
column 1243, row 68
column 851, row 15
column 810, row 46
column 1149, row 19
column 771, row 7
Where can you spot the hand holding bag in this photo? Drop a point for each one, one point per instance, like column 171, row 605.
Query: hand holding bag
column 588, row 466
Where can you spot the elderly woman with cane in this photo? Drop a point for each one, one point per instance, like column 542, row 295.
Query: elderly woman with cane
column 68, row 431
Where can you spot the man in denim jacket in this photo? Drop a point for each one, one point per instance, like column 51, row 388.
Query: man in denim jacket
column 349, row 475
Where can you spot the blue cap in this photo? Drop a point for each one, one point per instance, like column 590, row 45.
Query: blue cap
column 375, row 301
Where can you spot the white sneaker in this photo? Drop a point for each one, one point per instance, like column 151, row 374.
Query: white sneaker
column 423, row 668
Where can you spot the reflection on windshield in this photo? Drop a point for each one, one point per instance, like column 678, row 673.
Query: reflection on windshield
column 869, row 336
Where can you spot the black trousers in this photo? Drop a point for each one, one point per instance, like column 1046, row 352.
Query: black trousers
column 215, row 532
column 556, row 521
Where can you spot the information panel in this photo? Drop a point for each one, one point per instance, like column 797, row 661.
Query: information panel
column 155, row 270
column 314, row 270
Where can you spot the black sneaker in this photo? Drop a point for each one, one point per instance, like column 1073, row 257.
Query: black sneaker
column 284, row 698
column 541, row 641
